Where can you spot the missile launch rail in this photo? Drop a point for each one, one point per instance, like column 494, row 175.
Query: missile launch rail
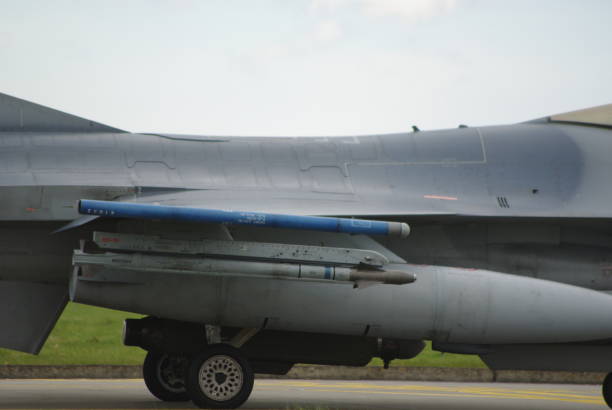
column 147, row 253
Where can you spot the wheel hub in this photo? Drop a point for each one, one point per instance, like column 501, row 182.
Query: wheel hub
column 221, row 377
column 171, row 373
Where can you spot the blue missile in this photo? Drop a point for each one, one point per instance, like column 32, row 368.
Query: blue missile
column 111, row 209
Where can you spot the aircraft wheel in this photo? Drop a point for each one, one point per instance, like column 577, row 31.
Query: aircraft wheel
column 164, row 375
column 219, row 378
column 607, row 390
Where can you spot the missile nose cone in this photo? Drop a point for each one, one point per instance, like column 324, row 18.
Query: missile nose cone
column 391, row 277
column 400, row 229
column 404, row 230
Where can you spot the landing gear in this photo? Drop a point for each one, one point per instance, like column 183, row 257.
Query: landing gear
column 164, row 375
column 607, row 390
column 220, row 378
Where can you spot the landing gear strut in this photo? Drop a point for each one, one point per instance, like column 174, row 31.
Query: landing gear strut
column 220, row 378
column 164, row 375
column 607, row 390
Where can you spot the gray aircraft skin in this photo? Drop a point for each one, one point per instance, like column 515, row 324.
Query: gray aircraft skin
column 510, row 245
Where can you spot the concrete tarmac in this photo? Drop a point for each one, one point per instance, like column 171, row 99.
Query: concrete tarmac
column 308, row 394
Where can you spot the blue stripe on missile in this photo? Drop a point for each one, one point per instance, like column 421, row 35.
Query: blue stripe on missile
column 149, row 211
column 328, row 271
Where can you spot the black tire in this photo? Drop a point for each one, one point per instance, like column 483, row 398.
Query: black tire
column 164, row 376
column 606, row 388
column 219, row 378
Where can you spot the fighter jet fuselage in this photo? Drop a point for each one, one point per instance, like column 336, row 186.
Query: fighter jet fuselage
column 524, row 199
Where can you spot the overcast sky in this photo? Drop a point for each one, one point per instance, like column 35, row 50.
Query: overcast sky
column 307, row 67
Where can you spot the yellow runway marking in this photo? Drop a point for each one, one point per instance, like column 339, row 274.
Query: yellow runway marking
column 450, row 394
column 536, row 392
column 440, row 391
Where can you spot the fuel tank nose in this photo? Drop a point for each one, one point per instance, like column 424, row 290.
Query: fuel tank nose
column 490, row 307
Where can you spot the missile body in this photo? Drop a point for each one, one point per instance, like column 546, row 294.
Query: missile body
column 237, row 268
column 114, row 209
